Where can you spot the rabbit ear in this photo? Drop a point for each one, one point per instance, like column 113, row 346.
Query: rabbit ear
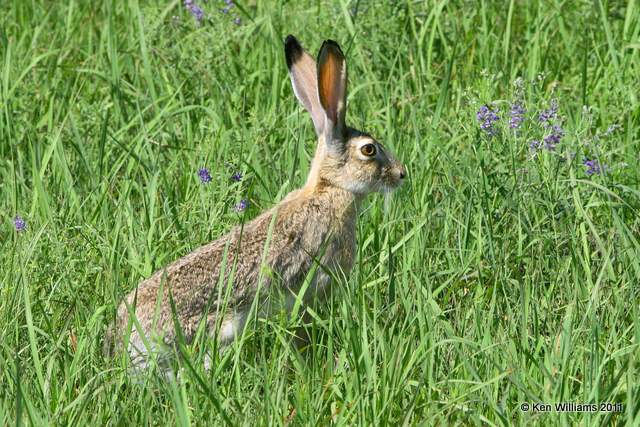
column 332, row 87
column 302, row 71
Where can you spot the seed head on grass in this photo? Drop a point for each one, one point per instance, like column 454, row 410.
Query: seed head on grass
column 19, row 223
column 205, row 176
column 487, row 117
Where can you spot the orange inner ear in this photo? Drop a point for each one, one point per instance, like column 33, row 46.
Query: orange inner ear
column 329, row 83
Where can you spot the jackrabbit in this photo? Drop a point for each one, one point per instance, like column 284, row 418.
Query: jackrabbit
column 314, row 226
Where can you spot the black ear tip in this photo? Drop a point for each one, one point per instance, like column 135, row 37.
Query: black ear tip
column 331, row 45
column 292, row 50
column 290, row 39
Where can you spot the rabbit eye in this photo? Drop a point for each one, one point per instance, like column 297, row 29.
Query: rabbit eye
column 368, row 150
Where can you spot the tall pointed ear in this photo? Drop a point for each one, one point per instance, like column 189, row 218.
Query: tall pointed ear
column 332, row 87
column 304, row 79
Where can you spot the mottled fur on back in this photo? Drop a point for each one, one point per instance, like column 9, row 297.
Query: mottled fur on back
column 215, row 285
column 300, row 232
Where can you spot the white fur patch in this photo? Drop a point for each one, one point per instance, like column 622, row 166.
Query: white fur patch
column 357, row 187
column 232, row 327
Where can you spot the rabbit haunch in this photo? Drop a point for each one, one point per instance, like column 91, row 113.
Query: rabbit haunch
column 216, row 285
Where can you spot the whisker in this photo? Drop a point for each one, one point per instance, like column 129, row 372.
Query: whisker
column 388, row 195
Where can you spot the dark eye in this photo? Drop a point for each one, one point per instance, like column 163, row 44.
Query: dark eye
column 368, row 150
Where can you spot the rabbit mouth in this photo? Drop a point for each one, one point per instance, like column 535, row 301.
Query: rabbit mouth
column 391, row 179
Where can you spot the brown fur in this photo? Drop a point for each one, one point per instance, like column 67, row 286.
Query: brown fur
column 314, row 223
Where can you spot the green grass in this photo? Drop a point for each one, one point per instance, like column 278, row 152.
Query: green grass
column 493, row 277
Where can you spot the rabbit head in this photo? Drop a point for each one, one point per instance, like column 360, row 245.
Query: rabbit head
column 345, row 157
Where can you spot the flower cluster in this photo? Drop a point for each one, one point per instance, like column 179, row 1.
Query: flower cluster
column 612, row 129
column 229, row 5
column 487, row 118
column 19, row 223
column 205, row 176
column 594, row 167
column 195, row 10
column 546, row 117
column 546, row 126
column 241, row 206
column 535, row 145
column 516, row 114
column 551, row 124
column 551, row 140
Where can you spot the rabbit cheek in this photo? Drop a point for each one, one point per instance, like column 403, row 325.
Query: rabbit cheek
column 372, row 175
column 364, row 176
column 368, row 175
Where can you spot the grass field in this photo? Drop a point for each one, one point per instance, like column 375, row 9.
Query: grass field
column 505, row 271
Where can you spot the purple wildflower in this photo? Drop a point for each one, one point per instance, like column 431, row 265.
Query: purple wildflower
column 535, row 145
column 611, row 130
column 594, row 167
column 517, row 115
column 241, row 206
column 237, row 21
column 547, row 116
column 237, row 177
column 487, row 117
column 205, row 176
column 551, row 140
column 19, row 223
column 228, row 5
column 195, row 10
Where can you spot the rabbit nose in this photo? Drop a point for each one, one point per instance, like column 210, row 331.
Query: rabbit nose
column 403, row 172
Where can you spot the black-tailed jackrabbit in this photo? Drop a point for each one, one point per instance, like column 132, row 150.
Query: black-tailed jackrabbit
column 215, row 286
